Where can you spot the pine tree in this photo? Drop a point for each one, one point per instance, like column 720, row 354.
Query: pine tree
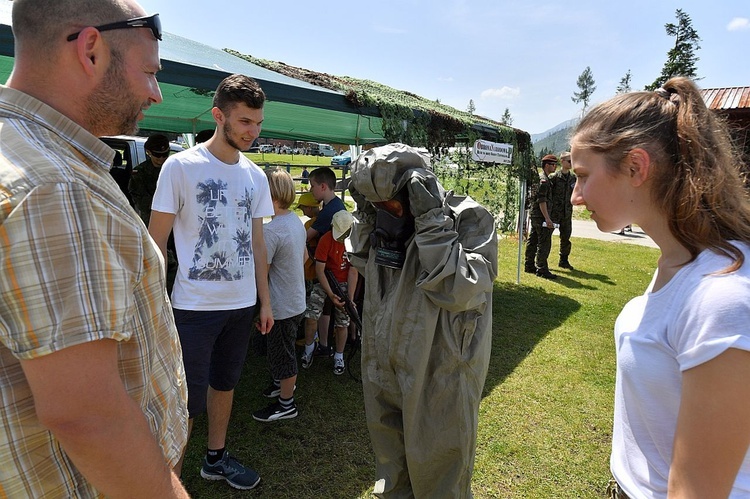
column 681, row 59
column 471, row 107
column 624, row 86
column 586, row 85
column 507, row 119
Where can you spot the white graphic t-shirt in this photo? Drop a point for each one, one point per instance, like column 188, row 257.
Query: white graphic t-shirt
column 214, row 204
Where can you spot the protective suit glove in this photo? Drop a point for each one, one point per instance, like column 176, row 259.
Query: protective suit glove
column 424, row 195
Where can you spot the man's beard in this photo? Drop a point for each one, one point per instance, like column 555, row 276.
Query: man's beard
column 112, row 108
column 228, row 131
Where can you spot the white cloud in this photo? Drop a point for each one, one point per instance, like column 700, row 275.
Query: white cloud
column 501, row 93
column 738, row 23
column 448, row 79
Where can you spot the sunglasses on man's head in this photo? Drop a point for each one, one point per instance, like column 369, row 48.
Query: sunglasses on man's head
column 159, row 154
column 151, row 22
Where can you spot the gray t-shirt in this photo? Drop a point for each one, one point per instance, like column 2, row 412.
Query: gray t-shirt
column 285, row 238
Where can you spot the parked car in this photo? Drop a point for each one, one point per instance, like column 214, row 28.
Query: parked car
column 131, row 149
column 342, row 159
column 321, row 149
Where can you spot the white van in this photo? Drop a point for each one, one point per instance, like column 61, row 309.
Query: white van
column 322, row 150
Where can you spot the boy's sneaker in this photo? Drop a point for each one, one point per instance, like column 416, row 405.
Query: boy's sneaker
column 229, row 469
column 307, row 359
column 324, row 351
column 273, row 391
column 274, row 412
column 338, row 366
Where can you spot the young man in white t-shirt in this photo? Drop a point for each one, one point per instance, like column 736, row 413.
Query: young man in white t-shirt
column 214, row 199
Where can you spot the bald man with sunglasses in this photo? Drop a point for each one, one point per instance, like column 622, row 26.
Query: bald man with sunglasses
column 93, row 399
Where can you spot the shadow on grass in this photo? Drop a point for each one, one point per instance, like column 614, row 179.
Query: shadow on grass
column 514, row 335
column 574, row 279
column 325, row 452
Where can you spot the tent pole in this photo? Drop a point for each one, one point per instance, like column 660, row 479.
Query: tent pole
column 521, row 226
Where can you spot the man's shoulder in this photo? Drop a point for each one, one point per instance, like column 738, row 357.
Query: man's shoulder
column 250, row 164
column 187, row 157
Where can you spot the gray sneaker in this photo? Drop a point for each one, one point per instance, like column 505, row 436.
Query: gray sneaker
column 231, row 470
column 338, row 366
column 307, row 359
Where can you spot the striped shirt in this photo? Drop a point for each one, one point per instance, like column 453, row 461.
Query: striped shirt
column 76, row 265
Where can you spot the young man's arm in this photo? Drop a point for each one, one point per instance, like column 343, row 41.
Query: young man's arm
column 80, row 398
column 159, row 227
column 260, row 259
column 545, row 213
column 543, row 207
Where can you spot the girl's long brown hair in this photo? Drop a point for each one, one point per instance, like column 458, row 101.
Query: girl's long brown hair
column 697, row 176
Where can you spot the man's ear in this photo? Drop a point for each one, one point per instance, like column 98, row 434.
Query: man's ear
column 93, row 52
column 638, row 163
column 218, row 115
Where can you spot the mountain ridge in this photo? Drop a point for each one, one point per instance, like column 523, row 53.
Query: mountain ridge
column 536, row 137
column 555, row 140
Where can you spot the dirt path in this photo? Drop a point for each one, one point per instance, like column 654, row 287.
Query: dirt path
column 587, row 229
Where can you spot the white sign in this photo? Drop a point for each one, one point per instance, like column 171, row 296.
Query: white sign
column 492, row 152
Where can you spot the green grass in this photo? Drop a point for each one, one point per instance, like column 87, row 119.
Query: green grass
column 581, row 213
column 293, row 163
column 545, row 419
column 292, row 159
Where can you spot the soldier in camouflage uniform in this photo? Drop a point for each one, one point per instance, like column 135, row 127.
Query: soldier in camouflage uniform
column 143, row 181
column 563, row 183
column 142, row 186
column 540, row 238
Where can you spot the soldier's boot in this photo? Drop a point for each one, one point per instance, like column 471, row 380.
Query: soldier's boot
column 546, row 274
column 529, row 268
column 564, row 263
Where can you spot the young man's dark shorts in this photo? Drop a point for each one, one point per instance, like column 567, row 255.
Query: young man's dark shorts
column 282, row 359
column 214, row 348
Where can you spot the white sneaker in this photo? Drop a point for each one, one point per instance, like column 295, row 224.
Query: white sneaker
column 307, row 358
column 338, row 366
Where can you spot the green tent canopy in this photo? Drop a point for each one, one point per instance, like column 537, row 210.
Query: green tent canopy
column 295, row 109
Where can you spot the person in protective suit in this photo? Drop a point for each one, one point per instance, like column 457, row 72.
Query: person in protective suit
column 429, row 259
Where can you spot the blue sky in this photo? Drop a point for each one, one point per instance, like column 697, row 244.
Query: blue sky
column 522, row 55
